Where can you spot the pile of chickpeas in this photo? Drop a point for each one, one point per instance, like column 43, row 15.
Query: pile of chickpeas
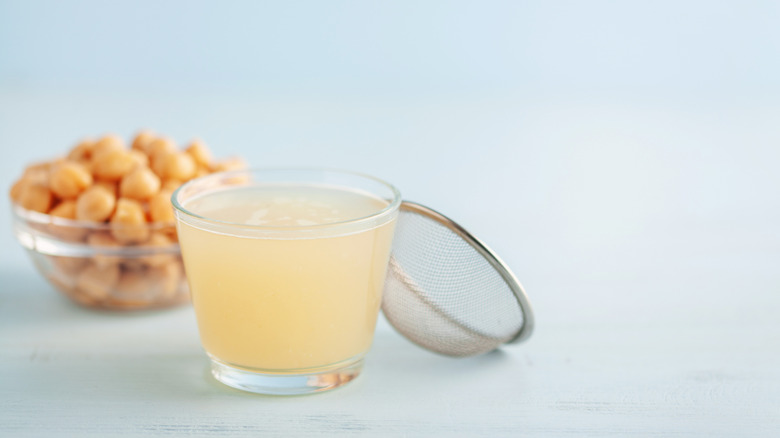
column 106, row 197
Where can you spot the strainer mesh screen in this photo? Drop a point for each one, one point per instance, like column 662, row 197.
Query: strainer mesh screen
column 444, row 295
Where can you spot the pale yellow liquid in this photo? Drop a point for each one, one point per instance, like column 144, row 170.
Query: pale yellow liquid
column 305, row 297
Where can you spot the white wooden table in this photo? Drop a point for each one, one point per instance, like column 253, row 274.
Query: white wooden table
column 646, row 238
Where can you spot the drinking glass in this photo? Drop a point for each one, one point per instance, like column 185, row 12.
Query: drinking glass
column 286, row 305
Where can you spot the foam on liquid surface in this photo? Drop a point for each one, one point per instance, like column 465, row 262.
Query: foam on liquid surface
column 286, row 205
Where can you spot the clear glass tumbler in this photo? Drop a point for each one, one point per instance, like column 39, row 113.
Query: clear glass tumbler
column 286, row 269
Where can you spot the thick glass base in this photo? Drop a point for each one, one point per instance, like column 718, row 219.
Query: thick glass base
column 285, row 383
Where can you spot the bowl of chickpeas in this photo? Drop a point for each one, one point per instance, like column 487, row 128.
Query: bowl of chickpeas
column 98, row 222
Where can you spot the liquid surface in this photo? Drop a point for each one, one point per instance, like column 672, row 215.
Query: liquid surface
column 285, row 205
column 283, row 304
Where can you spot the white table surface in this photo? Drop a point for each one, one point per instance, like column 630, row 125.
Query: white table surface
column 646, row 236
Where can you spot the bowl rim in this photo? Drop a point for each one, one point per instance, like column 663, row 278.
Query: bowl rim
column 39, row 218
column 32, row 232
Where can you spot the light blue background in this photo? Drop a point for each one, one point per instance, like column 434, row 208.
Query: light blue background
column 665, row 49
column 604, row 148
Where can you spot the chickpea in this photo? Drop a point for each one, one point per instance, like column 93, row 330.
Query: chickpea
column 171, row 232
column 157, row 163
column 56, row 162
column 233, row 163
column 37, row 174
column 160, row 208
column 82, row 152
column 69, row 179
column 139, row 184
column 37, row 166
column 83, row 298
column 35, row 197
column 132, row 264
column 102, row 239
column 160, row 146
column 180, row 166
column 142, row 140
column 113, row 165
column 98, row 281
column 168, row 278
column 66, row 210
column 16, row 190
column 133, row 284
column 177, row 165
column 128, row 224
column 95, row 204
column 111, row 186
column 66, row 283
column 68, row 265
column 141, row 159
column 134, row 290
column 161, row 240
column 200, row 153
column 171, row 185
column 107, row 143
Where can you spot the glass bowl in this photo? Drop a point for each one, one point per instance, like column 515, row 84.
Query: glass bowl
column 88, row 264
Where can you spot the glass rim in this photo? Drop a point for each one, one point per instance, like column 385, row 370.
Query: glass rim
column 393, row 205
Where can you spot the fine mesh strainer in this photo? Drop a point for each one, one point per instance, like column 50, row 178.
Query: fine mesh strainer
column 447, row 292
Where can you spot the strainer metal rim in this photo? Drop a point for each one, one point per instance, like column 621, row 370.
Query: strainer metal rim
column 503, row 270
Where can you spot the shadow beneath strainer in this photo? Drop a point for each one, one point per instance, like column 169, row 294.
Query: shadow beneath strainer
column 395, row 361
